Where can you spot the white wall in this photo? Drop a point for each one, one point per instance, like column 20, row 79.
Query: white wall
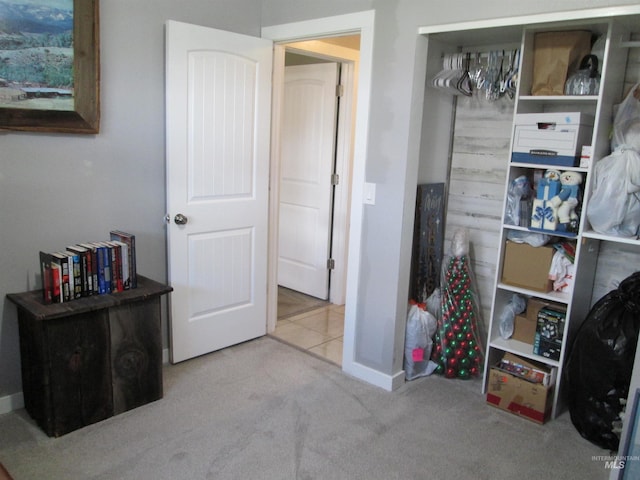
column 60, row 189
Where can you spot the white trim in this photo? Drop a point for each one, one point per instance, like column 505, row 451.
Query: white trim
column 12, row 402
column 277, row 94
column 324, row 50
column 532, row 19
column 319, row 27
column 364, row 23
column 344, row 160
column 374, row 377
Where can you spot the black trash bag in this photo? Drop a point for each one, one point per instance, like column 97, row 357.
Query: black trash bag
column 600, row 363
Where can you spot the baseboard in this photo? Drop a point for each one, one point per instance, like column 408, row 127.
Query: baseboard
column 12, row 402
column 374, row 377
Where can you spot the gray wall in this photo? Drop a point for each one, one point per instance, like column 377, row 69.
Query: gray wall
column 60, row 189
column 117, row 177
column 393, row 156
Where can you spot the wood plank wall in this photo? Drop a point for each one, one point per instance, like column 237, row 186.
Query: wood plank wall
column 480, row 154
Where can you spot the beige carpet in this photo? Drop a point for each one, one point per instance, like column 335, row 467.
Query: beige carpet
column 265, row 411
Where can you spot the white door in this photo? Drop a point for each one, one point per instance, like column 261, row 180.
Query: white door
column 306, row 164
column 218, row 97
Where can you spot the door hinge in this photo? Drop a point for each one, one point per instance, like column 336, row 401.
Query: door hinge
column 335, row 179
column 339, row 90
column 331, row 264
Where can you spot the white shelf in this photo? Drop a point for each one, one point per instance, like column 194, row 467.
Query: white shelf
column 611, row 238
column 521, row 348
column 559, row 98
column 560, row 297
column 545, row 166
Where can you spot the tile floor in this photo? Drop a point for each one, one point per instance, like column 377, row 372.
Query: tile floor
column 318, row 331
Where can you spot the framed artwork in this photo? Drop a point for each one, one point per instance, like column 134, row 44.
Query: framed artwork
column 50, row 66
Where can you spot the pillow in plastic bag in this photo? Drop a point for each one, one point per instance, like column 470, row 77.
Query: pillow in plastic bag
column 421, row 326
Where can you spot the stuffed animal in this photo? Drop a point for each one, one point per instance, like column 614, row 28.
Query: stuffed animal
column 566, row 200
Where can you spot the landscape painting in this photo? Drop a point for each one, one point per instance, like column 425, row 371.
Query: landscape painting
column 50, row 66
column 37, row 54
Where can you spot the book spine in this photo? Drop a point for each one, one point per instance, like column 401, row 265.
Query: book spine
column 116, row 262
column 124, row 260
column 88, row 258
column 85, row 275
column 75, row 275
column 93, row 260
column 130, row 240
column 63, row 261
column 104, row 269
column 57, row 294
column 47, row 281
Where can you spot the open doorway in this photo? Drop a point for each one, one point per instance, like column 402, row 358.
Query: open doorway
column 313, row 216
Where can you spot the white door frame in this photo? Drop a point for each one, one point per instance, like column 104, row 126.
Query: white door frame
column 363, row 23
column 349, row 60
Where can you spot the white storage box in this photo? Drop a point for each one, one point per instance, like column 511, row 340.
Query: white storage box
column 551, row 138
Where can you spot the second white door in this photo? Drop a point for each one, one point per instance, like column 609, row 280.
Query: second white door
column 306, row 167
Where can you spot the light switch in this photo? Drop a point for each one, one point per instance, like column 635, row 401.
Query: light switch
column 370, row 193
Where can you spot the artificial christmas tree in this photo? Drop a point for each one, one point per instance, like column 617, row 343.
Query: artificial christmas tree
column 458, row 351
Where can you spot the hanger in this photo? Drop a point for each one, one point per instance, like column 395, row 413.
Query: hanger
column 464, row 85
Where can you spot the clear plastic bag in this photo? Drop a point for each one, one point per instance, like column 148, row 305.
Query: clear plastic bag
column 519, row 191
column 421, row 326
column 614, row 208
column 626, row 125
column 516, row 305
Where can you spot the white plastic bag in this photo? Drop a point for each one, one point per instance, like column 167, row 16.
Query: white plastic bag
column 614, row 208
column 421, row 326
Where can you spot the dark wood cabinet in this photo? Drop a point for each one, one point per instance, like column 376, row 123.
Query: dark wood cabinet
column 91, row 358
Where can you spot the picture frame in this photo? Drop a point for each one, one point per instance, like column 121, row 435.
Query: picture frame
column 84, row 117
column 628, row 463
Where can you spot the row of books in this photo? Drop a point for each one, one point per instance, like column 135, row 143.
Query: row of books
column 91, row 268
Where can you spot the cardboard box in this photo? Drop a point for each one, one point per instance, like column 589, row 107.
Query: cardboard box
column 524, row 330
column 551, row 138
column 534, row 305
column 549, row 333
column 528, row 267
column 519, row 396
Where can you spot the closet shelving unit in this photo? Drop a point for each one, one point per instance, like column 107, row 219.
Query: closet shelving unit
column 617, row 31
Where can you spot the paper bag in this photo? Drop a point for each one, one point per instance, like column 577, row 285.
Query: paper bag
column 555, row 55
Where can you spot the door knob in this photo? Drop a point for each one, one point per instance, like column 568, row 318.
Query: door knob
column 180, row 219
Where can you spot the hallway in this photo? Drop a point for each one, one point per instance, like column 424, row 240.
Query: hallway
column 310, row 324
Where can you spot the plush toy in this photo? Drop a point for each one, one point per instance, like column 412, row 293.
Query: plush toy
column 544, row 215
column 549, row 185
column 566, row 200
